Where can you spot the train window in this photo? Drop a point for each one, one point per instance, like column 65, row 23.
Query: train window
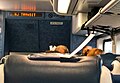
column 107, row 45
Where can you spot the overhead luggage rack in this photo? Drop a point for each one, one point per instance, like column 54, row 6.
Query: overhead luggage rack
column 107, row 20
column 107, row 16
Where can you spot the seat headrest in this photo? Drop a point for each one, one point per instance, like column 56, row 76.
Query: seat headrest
column 19, row 69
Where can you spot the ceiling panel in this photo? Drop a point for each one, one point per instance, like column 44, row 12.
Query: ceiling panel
column 26, row 5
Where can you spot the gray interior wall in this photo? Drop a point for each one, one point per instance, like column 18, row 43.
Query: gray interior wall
column 117, row 43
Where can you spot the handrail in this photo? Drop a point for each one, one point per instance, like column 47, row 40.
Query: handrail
column 82, row 45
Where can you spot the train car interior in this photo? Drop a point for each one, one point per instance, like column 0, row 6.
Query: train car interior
column 59, row 41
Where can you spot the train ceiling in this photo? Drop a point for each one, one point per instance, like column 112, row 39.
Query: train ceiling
column 26, row 5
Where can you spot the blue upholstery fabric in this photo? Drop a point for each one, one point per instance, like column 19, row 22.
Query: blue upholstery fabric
column 115, row 78
column 108, row 58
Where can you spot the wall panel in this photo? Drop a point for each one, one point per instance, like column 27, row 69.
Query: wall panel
column 22, row 35
column 52, row 34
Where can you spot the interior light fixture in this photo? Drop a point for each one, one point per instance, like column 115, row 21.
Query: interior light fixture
column 63, row 6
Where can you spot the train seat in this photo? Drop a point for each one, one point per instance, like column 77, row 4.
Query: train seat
column 20, row 69
column 107, row 59
column 111, row 61
column 116, row 70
